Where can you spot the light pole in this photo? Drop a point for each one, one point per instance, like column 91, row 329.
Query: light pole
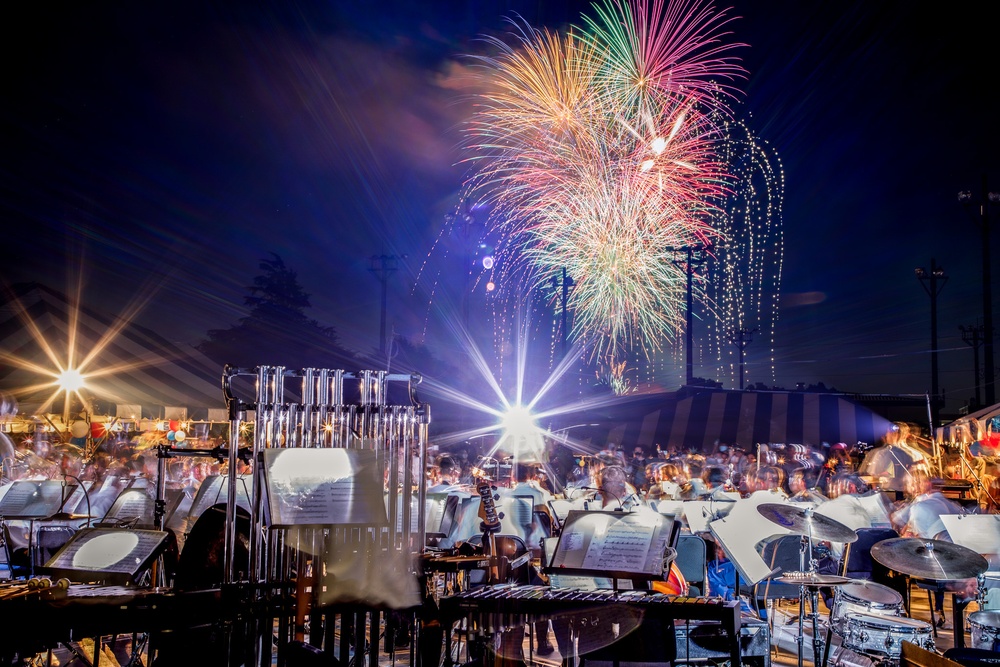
column 564, row 288
column 694, row 257
column 382, row 266
column 985, row 198
column 973, row 336
column 933, row 282
column 741, row 338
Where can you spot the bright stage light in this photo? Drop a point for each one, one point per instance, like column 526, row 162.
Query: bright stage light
column 518, row 422
column 70, row 379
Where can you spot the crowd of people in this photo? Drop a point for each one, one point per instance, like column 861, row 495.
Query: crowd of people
column 852, row 484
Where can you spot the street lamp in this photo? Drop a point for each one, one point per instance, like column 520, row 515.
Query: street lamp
column 985, row 198
column 933, row 282
column 694, row 257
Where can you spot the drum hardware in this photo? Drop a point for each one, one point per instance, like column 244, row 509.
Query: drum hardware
column 811, row 526
column 883, row 636
column 985, row 629
column 866, row 597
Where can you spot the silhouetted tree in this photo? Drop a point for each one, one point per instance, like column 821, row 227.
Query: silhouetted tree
column 277, row 331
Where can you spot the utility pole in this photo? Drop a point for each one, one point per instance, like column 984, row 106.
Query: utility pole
column 985, row 199
column 564, row 287
column 933, row 282
column 382, row 266
column 694, row 257
column 973, row 336
column 741, row 338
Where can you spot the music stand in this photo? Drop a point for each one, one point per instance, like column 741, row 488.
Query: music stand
column 134, row 506
column 107, row 555
column 34, row 500
column 620, row 545
column 440, row 514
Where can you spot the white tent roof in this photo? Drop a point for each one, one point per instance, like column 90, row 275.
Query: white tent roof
column 132, row 365
column 968, row 428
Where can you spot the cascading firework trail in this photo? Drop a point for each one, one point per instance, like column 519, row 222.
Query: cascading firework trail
column 596, row 153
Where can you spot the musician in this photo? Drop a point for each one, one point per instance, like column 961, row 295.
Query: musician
column 802, row 485
column 615, row 491
column 921, row 517
column 664, row 481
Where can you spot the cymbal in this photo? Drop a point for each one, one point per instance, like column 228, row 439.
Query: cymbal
column 803, row 521
column 812, row 579
column 929, row 559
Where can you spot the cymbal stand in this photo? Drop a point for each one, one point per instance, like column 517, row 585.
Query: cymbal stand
column 807, row 544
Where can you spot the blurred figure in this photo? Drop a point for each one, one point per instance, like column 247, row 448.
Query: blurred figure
column 802, row 486
column 637, row 470
column 615, row 491
column 921, row 517
column 768, row 478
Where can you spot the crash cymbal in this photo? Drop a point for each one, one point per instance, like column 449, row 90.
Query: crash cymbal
column 929, row 559
column 803, row 521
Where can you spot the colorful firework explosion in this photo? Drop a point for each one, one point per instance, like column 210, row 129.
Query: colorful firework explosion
column 596, row 151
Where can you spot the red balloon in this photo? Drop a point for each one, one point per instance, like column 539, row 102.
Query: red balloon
column 98, row 430
column 174, row 425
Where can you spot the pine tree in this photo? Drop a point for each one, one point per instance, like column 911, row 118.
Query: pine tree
column 277, row 331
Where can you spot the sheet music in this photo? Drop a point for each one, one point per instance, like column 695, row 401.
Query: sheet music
column 742, row 529
column 132, row 504
column 34, row 499
column 610, row 541
column 621, row 545
column 110, row 550
column 979, row 532
column 321, row 487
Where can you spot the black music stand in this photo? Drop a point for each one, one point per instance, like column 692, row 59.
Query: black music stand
column 136, row 507
column 107, row 555
column 440, row 510
column 616, row 544
column 34, row 500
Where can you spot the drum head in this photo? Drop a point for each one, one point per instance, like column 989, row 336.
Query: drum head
column 988, row 619
column 869, row 591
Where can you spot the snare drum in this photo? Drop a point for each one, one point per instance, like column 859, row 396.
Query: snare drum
column 864, row 597
column 985, row 629
column 884, row 635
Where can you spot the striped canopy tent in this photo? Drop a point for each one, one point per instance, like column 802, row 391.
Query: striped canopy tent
column 700, row 418
column 151, row 374
column 967, row 428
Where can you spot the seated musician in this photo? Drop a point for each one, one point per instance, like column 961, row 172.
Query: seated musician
column 921, row 517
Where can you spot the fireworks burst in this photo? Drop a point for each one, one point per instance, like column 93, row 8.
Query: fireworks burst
column 596, row 151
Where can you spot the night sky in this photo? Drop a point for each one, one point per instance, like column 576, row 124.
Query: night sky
column 160, row 150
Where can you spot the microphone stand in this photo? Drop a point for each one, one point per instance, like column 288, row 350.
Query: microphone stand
column 979, row 482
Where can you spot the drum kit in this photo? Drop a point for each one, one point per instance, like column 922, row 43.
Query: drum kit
column 866, row 615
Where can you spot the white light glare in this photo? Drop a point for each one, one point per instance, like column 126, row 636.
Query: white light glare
column 518, row 422
column 70, row 380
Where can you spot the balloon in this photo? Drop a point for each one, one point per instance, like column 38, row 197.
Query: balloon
column 79, row 429
column 174, row 425
column 98, row 430
column 179, row 436
column 171, row 436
